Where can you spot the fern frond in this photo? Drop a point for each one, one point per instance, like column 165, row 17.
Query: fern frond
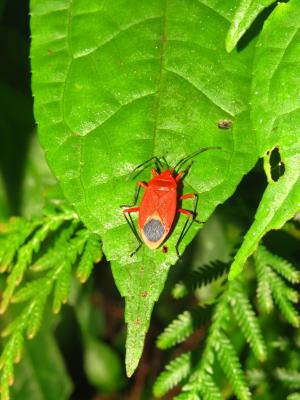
column 14, row 235
column 61, row 287
column 16, row 276
column 234, row 302
column 208, row 388
column 280, row 265
column 177, row 331
column 182, row 327
column 174, row 373
column 282, row 296
column 206, row 274
column 278, row 283
column 205, row 365
column 246, row 319
column 231, row 366
column 289, row 378
column 30, row 290
column 35, row 316
column 270, row 281
column 55, row 274
column 187, row 396
column 10, row 355
column 54, row 254
column 92, row 254
column 293, row 396
column 180, row 290
column 263, row 292
column 25, row 253
column 255, row 376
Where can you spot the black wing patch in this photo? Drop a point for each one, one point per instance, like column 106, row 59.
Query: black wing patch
column 154, row 230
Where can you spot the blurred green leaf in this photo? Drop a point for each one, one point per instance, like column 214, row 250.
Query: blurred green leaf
column 276, row 119
column 41, row 375
column 117, row 81
column 102, row 365
column 37, row 178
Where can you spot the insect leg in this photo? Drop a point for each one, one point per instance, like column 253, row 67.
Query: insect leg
column 128, row 218
column 185, row 228
column 193, row 196
column 127, row 209
column 188, row 196
column 191, row 215
column 137, row 190
column 136, row 194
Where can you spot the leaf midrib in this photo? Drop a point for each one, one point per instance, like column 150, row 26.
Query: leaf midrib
column 159, row 83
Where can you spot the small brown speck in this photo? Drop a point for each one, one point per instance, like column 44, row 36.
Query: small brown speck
column 225, row 124
column 50, row 52
column 165, row 249
column 144, row 294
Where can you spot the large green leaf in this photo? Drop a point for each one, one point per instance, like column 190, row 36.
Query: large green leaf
column 118, row 82
column 276, row 118
column 244, row 16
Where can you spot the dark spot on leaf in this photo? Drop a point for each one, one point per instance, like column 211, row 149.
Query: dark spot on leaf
column 144, row 294
column 153, row 230
column 277, row 166
column 50, row 52
column 138, row 322
column 165, row 249
column 225, row 124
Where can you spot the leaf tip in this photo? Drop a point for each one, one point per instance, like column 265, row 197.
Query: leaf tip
column 130, row 368
column 229, row 45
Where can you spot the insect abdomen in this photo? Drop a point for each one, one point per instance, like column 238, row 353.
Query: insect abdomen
column 154, row 230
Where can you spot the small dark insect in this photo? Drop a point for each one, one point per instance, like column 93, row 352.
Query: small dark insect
column 225, row 124
column 160, row 203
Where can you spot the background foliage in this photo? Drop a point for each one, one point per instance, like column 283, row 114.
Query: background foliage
column 115, row 84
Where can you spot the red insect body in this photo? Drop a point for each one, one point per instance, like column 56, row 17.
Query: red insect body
column 160, row 204
column 158, row 207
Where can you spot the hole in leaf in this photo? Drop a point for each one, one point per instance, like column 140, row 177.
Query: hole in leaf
column 276, row 164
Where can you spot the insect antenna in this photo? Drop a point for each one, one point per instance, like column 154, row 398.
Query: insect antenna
column 194, row 154
column 138, row 169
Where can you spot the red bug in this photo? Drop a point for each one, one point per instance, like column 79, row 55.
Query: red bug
column 161, row 203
